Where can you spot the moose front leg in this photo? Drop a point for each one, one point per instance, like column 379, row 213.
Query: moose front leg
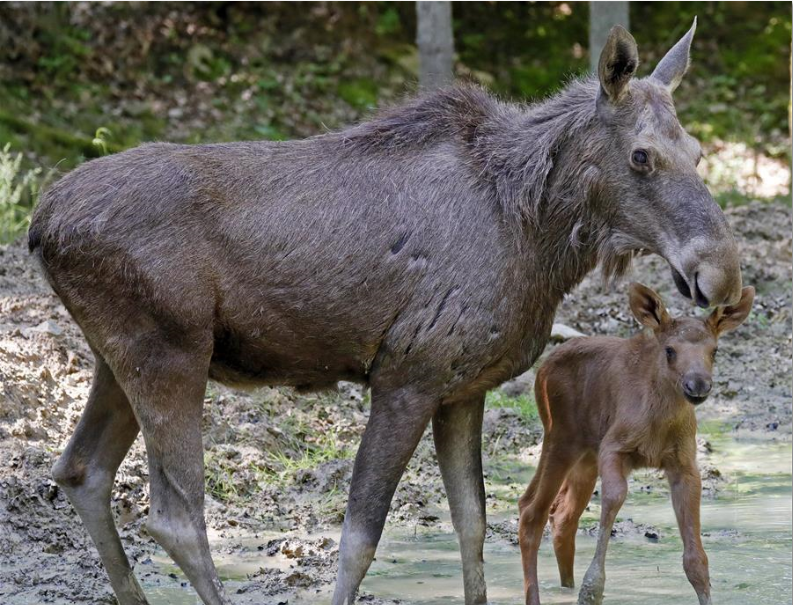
column 457, row 429
column 686, row 488
column 396, row 423
column 614, row 487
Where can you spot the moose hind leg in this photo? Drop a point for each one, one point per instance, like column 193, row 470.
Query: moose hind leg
column 565, row 514
column 87, row 468
column 535, row 505
column 166, row 387
column 396, row 423
column 457, row 429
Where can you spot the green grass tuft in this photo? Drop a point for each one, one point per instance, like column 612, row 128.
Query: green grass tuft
column 524, row 405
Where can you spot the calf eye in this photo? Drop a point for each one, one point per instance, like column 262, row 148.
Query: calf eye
column 670, row 354
column 640, row 157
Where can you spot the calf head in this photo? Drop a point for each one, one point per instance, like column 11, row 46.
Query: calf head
column 650, row 191
column 685, row 347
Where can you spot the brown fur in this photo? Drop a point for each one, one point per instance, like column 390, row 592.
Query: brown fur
column 609, row 405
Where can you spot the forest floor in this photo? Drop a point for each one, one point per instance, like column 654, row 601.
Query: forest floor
column 278, row 464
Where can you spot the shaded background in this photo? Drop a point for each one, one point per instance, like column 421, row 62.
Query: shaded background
column 82, row 79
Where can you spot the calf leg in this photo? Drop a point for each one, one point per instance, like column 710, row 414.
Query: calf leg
column 534, row 506
column 458, row 442
column 86, row 471
column 166, row 387
column 614, row 487
column 686, row 488
column 396, row 423
column 565, row 513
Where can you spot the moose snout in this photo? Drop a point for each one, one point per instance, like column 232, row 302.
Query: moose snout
column 696, row 387
column 710, row 272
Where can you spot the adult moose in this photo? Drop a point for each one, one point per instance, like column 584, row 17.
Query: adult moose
column 422, row 253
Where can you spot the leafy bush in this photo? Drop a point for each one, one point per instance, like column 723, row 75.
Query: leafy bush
column 18, row 192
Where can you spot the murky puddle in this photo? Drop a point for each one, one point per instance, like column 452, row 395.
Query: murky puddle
column 747, row 535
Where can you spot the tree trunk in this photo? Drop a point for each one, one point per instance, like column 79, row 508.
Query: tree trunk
column 436, row 44
column 602, row 17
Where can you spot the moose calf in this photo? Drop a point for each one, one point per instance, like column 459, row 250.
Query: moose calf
column 609, row 405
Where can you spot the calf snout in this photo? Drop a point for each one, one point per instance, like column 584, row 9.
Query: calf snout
column 696, row 387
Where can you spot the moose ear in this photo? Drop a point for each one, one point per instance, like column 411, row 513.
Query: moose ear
column 673, row 66
column 724, row 319
column 618, row 62
column 647, row 307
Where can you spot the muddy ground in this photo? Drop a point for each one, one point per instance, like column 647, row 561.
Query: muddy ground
column 279, row 464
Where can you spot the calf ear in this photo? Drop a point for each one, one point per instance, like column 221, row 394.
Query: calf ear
column 647, row 307
column 618, row 62
column 671, row 69
column 724, row 319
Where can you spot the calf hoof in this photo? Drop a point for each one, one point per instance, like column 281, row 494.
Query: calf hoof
column 592, row 589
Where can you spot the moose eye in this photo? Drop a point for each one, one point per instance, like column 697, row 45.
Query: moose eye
column 640, row 157
column 670, row 354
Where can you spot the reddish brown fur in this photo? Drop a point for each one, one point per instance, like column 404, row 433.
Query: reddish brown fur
column 609, row 405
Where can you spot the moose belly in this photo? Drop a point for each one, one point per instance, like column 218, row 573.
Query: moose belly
column 307, row 364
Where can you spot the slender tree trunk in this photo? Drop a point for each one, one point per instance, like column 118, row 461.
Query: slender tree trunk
column 602, row 17
column 436, row 44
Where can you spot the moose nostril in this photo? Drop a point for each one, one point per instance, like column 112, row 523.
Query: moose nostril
column 681, row 284
column 699, row 297
column 697, row 387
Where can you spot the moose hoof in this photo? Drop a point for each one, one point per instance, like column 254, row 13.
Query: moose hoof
column 592, row 589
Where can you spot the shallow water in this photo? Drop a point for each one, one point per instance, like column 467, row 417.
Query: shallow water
column 747, row 535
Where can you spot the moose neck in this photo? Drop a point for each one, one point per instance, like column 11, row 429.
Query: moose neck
column 548, row 185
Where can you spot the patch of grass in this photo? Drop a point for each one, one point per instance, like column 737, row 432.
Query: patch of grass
column 713, row 429
column 524, row 405
column 333, row 504
column 281, row 467
column 219, row 477
column 303, row 443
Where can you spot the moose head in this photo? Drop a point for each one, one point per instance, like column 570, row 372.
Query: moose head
column 657, row 201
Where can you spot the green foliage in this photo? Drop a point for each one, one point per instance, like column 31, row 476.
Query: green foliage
column 360, row 93
column 100, row 139
column 524, row 405
column 18, row 191
column 388, row 23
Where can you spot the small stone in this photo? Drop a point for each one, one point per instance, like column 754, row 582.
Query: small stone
column 561, row 332
column 48, row 327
